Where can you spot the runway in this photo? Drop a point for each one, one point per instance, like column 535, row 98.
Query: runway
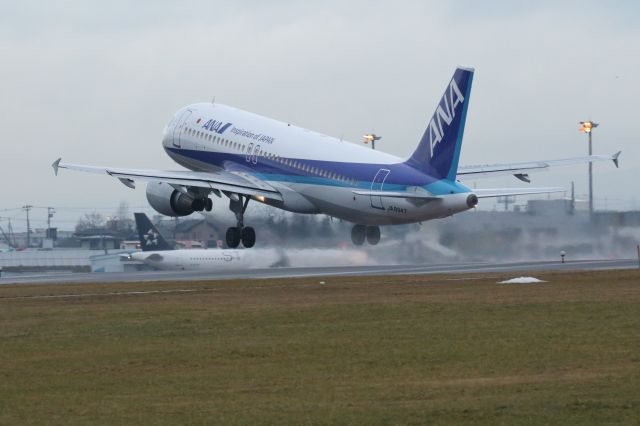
column 457, row 268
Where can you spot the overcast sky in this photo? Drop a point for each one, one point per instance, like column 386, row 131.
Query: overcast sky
column 95, row 83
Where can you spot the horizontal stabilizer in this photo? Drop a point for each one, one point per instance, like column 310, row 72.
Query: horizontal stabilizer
column 521, row 170
column 398, row 194
column 481, row 193
column 501, row 192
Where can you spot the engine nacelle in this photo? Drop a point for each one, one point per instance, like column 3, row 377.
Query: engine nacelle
column 169, row 201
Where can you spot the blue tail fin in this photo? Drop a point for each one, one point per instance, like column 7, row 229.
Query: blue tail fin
column 150, row 238
column 438, row 152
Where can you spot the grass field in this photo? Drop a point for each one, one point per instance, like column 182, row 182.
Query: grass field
column 357, row 350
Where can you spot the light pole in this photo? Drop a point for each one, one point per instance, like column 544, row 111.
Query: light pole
column 587, row 127
column 50, row 212
column 27, row 208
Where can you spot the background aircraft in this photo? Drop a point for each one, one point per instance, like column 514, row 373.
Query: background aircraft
column 158, row 253
column 244, row 156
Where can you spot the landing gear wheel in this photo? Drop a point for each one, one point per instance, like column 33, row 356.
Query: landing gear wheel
column 238, row 204
column 233, row 237
column 208, row 204
column 373, row 235
column 358, row 233
column 248, row 237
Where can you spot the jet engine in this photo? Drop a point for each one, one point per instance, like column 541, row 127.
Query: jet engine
column 167, row 200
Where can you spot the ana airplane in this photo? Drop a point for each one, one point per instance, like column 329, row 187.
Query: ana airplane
column 244, row 157
column 158, row 253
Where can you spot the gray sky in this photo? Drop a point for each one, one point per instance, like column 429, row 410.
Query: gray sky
column 95, row 83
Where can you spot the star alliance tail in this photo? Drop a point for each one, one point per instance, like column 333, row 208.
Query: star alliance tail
column 150, row 237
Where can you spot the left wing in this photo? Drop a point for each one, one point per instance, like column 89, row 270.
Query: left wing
column 522, row 170
column 220, row 180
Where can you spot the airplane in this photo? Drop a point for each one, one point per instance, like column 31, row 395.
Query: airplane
column 159, row 254
column 245, row 156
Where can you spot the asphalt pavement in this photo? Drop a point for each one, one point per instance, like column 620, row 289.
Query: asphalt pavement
column 248, row 274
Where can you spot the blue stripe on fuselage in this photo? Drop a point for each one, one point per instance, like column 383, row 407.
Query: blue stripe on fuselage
column 400, row 177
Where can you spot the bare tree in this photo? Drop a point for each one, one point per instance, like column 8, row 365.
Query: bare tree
column 121, row 221
column 122, row 212
column 90, row 221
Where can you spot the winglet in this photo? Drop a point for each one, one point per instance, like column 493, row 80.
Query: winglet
column 56, row 165
column 615, row 158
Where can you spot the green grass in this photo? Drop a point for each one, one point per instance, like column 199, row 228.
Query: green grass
column 374, row 350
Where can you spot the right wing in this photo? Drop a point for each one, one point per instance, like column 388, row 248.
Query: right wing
column 218, row 180
column 522, row 170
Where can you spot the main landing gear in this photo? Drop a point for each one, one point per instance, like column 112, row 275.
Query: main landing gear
column 360, row 232
column 240, row 233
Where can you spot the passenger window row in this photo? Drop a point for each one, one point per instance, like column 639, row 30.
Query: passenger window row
column 286, row 161
column 207, row 258
column 216, row 139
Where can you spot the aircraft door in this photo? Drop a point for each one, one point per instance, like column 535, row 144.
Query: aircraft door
column 376, row 185
column 179, row 127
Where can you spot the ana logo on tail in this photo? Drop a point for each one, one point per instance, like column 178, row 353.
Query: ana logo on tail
column 446, row 112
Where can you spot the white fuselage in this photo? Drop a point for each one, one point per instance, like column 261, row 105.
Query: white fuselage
column 314, row 173
column 208, row 259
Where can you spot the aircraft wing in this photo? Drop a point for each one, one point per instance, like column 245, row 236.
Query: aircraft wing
column 522, row 170
column 220, row 180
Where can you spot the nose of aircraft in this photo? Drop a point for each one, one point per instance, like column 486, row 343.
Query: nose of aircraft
column 166, row 136
column 167, row 133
